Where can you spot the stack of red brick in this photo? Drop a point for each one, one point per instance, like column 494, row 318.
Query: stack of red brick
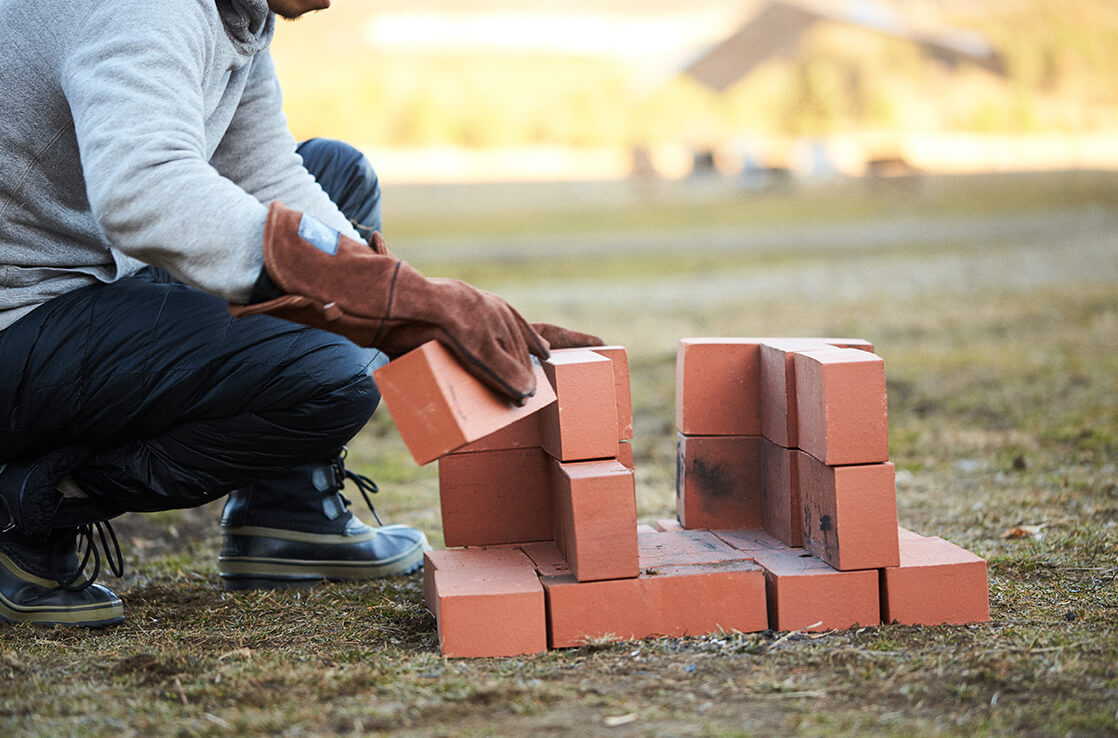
column 785, row 501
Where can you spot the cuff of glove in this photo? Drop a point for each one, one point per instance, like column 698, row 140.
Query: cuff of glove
column 264, row 289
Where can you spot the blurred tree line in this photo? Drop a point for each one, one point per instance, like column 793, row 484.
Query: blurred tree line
column 1061, row 74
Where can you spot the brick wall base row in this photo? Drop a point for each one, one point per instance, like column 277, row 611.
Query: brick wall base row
column 509, row 600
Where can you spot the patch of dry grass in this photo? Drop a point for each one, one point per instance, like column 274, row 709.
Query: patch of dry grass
column 1002, row 413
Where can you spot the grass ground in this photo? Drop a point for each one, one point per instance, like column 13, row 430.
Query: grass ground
column 995, row 306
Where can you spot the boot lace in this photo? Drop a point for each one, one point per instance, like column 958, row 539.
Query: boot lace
column 363, row 483
column 113, row 557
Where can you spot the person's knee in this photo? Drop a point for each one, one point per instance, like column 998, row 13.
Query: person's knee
column 318, row 394
column 350, row 396
column 347, row 177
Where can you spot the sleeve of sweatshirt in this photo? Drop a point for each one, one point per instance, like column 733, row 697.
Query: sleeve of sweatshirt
column 258, row 152
column 134, row 80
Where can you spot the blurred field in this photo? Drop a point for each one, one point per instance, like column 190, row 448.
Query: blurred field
column 355, row 73
column 994, row 302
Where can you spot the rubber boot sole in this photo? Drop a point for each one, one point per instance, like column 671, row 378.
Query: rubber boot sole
column 100, row 616
column 26, row 598
column 246, row 571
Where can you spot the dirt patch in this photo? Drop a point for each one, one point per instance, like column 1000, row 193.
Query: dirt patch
column 147, row 668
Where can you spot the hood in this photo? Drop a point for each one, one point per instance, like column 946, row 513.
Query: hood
column 248, row 23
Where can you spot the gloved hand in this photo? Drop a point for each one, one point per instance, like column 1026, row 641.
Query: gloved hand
column 369, row 296
column 561, row 338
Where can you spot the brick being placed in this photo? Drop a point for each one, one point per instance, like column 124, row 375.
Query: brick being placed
column 673, row 601
column 718, row 481
column 937, row 582
column 523, row 433
column 439, row 407
column 849, row 513
column 841, row 406
column 526, row 433
column 803, row 591
column 718, row 386
column 496, row 497
column 470, row 590
column 781, row 510
column 582, row 423
column 595, row 513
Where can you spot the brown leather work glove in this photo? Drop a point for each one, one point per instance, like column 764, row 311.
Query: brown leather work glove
column 374, row 299
column 561, row 338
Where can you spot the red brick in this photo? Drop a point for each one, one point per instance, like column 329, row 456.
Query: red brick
column 477, row 588
column 778, row 382
column 579, row 612
column 463, row 559
column 705, row 598
column 718, row 386
column 582, row 423
column 905, row 533
column 524, row 433
column 493, row 497
column 439, row 407
column 781, row 514
column 596, row 518
column 431, row 562
column 625, row 455
column 718, row 481
column 936, row 582
column 684, row 548
column 850, row 513
column 805, row 592
column 622, row 390
column 676, row 601
column 778, row 387
column 841, row 408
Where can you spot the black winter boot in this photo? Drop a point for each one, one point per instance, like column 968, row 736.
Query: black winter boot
column 42, row 579
column 299, row 530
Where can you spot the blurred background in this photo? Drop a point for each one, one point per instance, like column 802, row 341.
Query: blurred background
column 484, row 90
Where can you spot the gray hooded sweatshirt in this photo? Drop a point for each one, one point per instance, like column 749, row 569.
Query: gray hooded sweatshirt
column 140, row 131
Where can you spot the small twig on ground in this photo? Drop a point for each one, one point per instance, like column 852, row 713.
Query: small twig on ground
column 217, row 720
column 798, row 631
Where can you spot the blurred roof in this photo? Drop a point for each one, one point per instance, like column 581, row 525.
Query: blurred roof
column 777, row 27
